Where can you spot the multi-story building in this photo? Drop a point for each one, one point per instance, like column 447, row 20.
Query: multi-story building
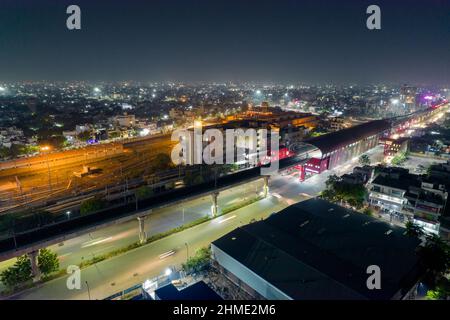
column 125, row 120
column 403, row 196
column 426, row 204
column 360, row 175
column 408, row 96
column 387, row 191
column 297, row 254
column 248, row 145
column 393, row 146
column 336, row 123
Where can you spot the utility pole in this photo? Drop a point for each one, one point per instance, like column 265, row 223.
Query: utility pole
column 49, row 177
column 136, row 199
column 187, row 251
column 89, row 291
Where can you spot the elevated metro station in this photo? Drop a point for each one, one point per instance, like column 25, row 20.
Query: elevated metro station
column 338, row 147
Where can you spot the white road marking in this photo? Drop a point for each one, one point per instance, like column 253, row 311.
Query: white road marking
column 94, row 242
column 229, row 218
column 166, row 254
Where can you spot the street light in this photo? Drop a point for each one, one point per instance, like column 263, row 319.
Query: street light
column 197, row 124
column 187, row 251
column 68, row 215
column 89, row 291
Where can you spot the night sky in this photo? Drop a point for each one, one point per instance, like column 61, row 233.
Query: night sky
column 276, row 41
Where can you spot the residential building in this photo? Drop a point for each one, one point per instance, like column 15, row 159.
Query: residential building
column 394, row 146
column 403, row 196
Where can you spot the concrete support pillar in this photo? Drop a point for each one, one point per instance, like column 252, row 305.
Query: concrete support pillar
column 266, row 186
column 142, row 233
column 36, row 273
column 214, row 207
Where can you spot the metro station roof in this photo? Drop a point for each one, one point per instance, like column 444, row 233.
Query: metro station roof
column 336, row 140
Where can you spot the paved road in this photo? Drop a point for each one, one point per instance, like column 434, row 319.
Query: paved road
column 107, row 239
column 121, row 272
column 135, row 266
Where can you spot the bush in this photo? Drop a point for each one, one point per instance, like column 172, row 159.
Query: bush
column 399, row 159
column 368, row 212
column 162, row 162
column 364, row 160
column 47, row 262
column 19, row 273
column 441, row 291
column 198, row 262
column 92, row 205
column 144, row 192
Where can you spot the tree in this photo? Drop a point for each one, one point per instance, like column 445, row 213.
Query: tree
column 331, row 181
column 6, row 222
column 47, row 261
column 364, row 160
column 162, row 162
column 441, row 291
column 191, row 179
column 4, row 152
column 328, row 194
column 367, row 211
column 19, row 273
column 379, row 168
column 340, row 191
column 144, row 192
column 113, row 134
column 16, row 150
column 399, row 159
column 446, row 123
column 413, row 230
column 84, row 136
column 198, row 262
column 435, row 257
column 92, row 205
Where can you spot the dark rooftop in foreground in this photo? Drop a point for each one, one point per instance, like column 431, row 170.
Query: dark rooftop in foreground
column 197, row 291
column 318, row 250
column 335, row 140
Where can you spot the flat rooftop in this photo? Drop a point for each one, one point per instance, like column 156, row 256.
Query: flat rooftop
column 335, row 140
column 317, row 250
column 402, row 182
column 197, row 291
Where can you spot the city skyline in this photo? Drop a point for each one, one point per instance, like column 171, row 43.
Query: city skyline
column 225, row 150
column 290, row 41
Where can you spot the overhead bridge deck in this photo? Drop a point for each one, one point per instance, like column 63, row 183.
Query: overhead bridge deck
column 53, row 234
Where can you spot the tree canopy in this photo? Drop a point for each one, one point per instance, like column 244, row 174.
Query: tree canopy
column 364, row 160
